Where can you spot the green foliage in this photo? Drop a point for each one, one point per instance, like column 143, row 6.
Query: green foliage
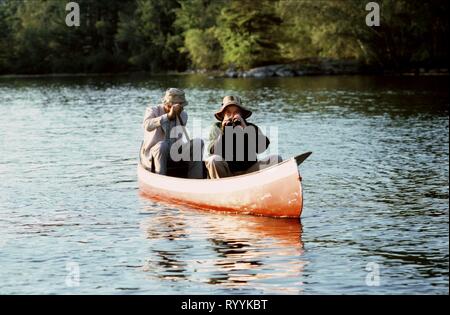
column 159, row 35
column 247, row 31
column 198, row 14
column 204, row 49
column 7, row 25
column 198, row 19
column 149, row 34
column 410, row 31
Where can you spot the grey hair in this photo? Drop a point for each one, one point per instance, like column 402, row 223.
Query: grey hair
column 173, row 92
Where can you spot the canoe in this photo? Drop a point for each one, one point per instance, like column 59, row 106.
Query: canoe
column 275, row 191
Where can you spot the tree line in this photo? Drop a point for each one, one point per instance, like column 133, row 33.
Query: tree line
column 162, row 35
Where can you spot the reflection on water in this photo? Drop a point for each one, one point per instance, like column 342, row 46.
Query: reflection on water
column 231, row 251
column 376, row 189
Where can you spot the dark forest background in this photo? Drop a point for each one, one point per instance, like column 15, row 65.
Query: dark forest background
column 163, row 35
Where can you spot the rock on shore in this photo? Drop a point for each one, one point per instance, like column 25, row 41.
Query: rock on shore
column 323, row 66
column 304, row 67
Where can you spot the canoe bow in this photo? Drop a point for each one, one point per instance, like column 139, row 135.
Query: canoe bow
column 275, row 191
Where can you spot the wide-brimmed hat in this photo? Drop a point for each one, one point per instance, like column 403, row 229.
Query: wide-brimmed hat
column 174, row 95
column 232, row 100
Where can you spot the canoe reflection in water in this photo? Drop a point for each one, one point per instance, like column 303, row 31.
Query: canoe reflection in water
column 230, row 252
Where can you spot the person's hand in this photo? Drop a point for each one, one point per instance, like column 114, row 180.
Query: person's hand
column 178, row 108
column 225, row 122
column 241, row 120
column 174, row 111
column 171, row 114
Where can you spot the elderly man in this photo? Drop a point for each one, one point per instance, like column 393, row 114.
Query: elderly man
column 235, row 143
column 159, row 151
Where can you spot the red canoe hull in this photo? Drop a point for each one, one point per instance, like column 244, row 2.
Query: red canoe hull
column 275, row 191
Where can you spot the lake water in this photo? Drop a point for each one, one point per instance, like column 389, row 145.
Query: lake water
column 376, row 189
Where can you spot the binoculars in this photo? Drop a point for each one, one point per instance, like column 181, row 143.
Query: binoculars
column 233, row 123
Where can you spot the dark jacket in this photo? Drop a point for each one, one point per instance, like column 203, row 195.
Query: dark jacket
column 253, row 142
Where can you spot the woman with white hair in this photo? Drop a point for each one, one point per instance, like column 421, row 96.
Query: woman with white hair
column 158, row 123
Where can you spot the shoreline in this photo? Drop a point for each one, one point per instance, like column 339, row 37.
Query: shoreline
column 260, row 72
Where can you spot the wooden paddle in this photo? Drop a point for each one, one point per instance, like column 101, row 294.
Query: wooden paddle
column 302, row 157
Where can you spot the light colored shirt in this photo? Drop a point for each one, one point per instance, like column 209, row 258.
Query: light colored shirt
column 157, row 127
